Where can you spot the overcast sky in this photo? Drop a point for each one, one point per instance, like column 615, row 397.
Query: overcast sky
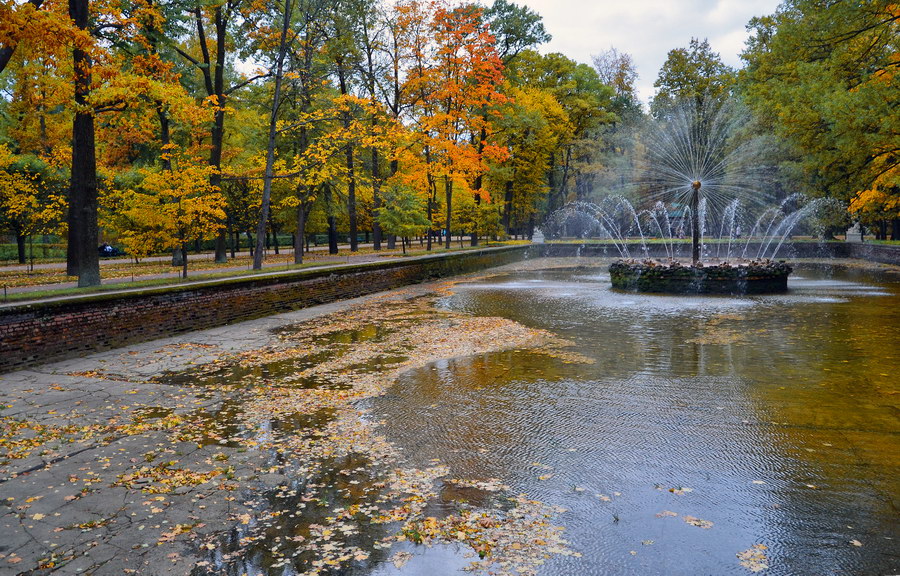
column 647, row 29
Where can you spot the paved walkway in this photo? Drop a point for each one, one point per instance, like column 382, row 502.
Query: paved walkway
column 202, row 257
column 76, row 480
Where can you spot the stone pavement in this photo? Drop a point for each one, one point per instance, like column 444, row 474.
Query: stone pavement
column 91, row 479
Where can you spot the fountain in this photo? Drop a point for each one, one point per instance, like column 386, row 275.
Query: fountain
column 694, row 161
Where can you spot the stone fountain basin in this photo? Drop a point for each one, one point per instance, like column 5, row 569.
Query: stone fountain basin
column 745, row 277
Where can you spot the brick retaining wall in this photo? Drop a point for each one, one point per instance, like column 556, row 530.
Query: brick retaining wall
column 35, row 333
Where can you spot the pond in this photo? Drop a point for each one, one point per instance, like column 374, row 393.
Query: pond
column 695, row 435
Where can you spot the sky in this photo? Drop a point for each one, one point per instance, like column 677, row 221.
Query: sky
column 647, row 29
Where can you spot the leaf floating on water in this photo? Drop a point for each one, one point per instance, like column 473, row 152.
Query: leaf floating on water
column 753, row 559
column 666, row 514
column 856, row 543
column 400, row 559
column 680, row 491
column 705, row 524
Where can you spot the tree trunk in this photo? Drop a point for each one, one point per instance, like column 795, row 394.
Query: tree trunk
column 274, row 235
column 83, row 259
column 428, row 216
column 300, row 235
column 475, row 217
column 376, row 201
column 332, row 224
column 215, row 179
column 348, row 154
column 351, row 199
column 20, row 246
column 270, row 146
column 184, row 261
column 476, row 186
column 448, row 190
column 507, row 205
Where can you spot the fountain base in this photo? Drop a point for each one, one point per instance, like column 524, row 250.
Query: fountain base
column 753, row 277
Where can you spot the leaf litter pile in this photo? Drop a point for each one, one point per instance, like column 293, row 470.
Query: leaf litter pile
column 286, row 456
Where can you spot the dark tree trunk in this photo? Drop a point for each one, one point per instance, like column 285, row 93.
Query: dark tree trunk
column 428, row 216
column 507, row 206
column 300, row 235
column 448, row 190
column 274, row 235
column 476, row 186
column 895, row 229
column 20, row 246
column 475, row 217
column 376, row 200
column 270, row 145
column 351, row 199
column 83, row 259
column 348, row 154
column 184, row 261
column 215, row 159
column 332, row 224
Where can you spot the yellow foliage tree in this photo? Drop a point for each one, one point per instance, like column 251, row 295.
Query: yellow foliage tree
column 168, row 209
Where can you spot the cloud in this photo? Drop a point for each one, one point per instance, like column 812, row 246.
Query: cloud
column 647, row 29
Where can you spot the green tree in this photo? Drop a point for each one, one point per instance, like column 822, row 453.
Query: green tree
column 403, row 213
column 696, row 73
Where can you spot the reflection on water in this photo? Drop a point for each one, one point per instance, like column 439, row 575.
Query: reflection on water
column 775, row 418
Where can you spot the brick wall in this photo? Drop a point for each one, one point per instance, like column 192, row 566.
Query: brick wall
column 71, row 327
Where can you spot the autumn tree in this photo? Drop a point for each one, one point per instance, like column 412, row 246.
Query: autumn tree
column 31, row 197
column 165, row 209
column 457, row 75
column 587, row 102
column 206, row 39
column 824, row 79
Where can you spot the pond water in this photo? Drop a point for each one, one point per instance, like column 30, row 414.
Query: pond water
column 774, row 418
